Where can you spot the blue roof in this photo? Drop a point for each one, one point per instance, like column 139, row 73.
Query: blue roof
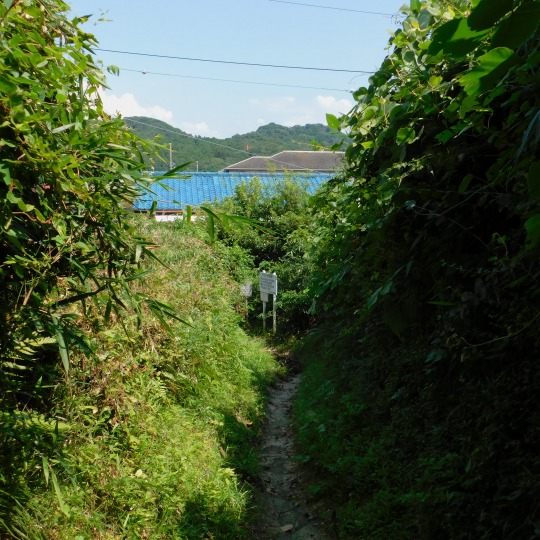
column 205, row 187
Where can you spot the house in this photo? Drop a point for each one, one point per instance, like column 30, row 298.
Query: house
column 291, row 160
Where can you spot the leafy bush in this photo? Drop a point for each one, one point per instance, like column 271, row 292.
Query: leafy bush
column 277, row 240
column 427, row 267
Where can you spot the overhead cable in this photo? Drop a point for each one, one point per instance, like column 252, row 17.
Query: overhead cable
column 145, row 72
column 332, row 7
column 187, row 58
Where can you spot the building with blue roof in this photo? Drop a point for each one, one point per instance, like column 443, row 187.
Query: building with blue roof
column 173, row 195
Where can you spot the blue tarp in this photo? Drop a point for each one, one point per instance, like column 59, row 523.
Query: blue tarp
column 204, row 187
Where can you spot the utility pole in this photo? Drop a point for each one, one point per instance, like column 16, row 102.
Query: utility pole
column 170, row 156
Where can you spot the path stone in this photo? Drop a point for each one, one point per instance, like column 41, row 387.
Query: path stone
column 285, row 511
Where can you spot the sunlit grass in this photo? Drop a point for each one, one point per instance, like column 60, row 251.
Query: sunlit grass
column 158, row 429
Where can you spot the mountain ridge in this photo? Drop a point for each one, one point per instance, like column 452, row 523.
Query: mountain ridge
column 213, row 154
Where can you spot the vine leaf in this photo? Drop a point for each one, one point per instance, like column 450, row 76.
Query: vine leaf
column 516, row 29
column 488, row 12
column 532, row 225
column 455, row 38
column 488, row 72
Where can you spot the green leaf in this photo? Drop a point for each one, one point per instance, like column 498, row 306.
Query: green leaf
column 62, row 346
column 533, row 180
column 62, row 128
column 45, row 463
column 405, row 135
column 490, row 69
column 333, row 121
column 488, row 12
column 455, row 38
column 518, row 28
column 5, row 174
column 464, row 185
column 188, row 214
column 6, row 87
column 58, row 491
column 173, row 172
column 532, row 226
column 531, row 135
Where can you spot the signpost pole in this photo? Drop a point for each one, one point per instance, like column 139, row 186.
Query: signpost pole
column 268, row 286
column 274, row 313
column 274, row 307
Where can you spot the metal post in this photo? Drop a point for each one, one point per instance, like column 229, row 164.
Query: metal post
column 264, row 316
column 274, row 312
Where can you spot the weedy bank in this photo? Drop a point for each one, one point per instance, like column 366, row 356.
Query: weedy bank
column 149, row 435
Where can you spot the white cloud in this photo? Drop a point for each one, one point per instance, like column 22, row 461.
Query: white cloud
column 289, row 111
column 127, row 105
column 198, row 128
column 330, row 104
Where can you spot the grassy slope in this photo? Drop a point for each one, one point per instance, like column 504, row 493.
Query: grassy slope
column 157, row 429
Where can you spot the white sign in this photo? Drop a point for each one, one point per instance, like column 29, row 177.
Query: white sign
column 246, row 289
column 268, row 283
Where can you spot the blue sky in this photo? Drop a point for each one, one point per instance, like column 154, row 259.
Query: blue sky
column 186, row 93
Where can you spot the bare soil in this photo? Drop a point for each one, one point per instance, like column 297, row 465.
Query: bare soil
column 286, row 510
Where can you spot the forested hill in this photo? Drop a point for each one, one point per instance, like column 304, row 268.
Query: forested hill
column 214, row 154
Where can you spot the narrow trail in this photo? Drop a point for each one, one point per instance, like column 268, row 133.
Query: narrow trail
column 285, row 509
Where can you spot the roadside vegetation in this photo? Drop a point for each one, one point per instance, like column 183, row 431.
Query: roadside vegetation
column 131, row 393
column 419, row 403
column 130, row 396
column 276, row 240
column 152, row 435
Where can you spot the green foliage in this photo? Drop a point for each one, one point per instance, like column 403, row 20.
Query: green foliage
column 68, row 172
column 129, row 396
column 214, row 154
column 427, row 269
column 278, row 245
column 157, row 433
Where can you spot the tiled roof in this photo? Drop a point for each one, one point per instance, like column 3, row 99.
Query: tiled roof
column 291, row 160
column 173, row 194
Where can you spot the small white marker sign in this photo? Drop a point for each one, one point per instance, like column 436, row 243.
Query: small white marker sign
column 246, row 289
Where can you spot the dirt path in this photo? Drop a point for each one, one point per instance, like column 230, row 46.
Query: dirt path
column 285, row 510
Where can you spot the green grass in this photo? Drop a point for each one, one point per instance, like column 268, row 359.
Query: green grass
column 157, row 428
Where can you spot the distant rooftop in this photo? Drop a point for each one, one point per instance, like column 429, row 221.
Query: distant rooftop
column 174, row 194
column 291, row 160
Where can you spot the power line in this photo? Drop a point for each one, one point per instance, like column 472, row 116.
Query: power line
column 144, row 72
column 182, row 134
column 335, row 8
column 170, row 57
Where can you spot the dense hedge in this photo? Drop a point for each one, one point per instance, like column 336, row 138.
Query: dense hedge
column 428, row 283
